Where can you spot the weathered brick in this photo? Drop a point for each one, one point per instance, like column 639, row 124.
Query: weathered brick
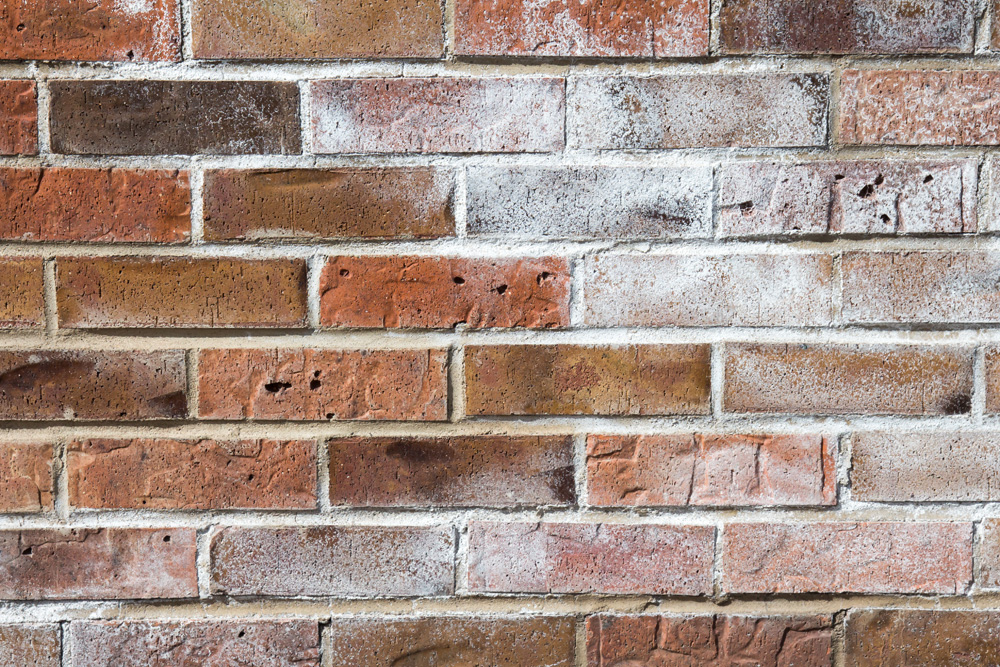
column 22, row 302
column 396, row 203
column 248, row 643
column 329, row 29
column 18, row 118
column 192, row 474
column 443, row 292
column 459, row 471
column 354, row 561
column 80, row 384
column 587, row 380
column 323, row 384
column 590, row 202
column 715, row 470
column 65, row 204
column 988, row 557
column 848, row 379
column 918, row 638
column 26, row 471
column 709, row 641
column 991, row 364
column 110, row 292
column 177, row 117
column 438, row 115
column 847, row 557
column 518, row 557
column 681, row 111
column 847, row 197
column 504, row 642
column 30, row 645
column 629, row 29
column 708, row 290
column 847, row 26
column 148, row 30
column 98, row 563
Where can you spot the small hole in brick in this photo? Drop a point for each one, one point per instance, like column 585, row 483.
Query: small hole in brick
column 746, row 206
column 249, row 478
column 315, row 384
column 501, row 289
column 275, row 387
column 166, row 538
column 20, row 27
column 928, row 178
column 28, row 552
column 867, row 191
column 458, row 280
column 242, row 633
column 885, row 219
column 839, row 177
column 879, row 180
column 344, row 273
column 131, row 55
column 329, row 415
column 543, row 276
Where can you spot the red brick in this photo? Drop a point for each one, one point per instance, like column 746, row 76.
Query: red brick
column 81, row 384
column 18, row 118
column 352, row 561
column 587, row 380
column 714, row 470
column 192, row 474
column 27, row 474
column 30, row 645
column 104, row 205
column 442, row 292
column 506, row 557
column 848, row 379
column 988, row 576
column 323, row 384
column 713, row 290
column 98, row 563
column 438, row 115
column 846, row 557
column 459, row 471
column 629, row 29
column 22, row 302
column 918, row 638
column 111, row 292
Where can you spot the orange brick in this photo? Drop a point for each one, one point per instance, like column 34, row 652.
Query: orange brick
column 18, row 118
column 22, row 303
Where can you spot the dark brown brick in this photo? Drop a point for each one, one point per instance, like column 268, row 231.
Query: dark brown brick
column 22, row 303
column 30, row 645
column 18, row 118
column 918, row 638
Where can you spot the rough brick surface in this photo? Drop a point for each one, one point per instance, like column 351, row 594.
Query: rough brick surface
column 26, row 470
column 988, row 556
column 917, row 638
column 18, row 118
column 30, row 645
column 21, row 302
column 991, row 364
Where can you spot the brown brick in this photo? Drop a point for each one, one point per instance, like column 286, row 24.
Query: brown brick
column 174, row 117
column 847, row 26
column 708, row 290
column 917, row 638
column 396, row 203
column 519, row 557
column 847, row 557
column 459, row 471
column 22, row 301
column 847, row 197
column 323, row 384
column 98, row 563
column 988, row 557
column 248, row 643
column 110, row 292
column 446, row 641
column 354, row 561
column 714, row 470
column 697, row 111
column 438, row 115
column 991, row 364
column 81, row 384
column 65, row 204
column 192, row 474
column 848, row 379
column 18, row 118
column 26, row 471
column 443, row 292
column 30, row 645
column 629, row 29
column 587, row 380
column 709, row 641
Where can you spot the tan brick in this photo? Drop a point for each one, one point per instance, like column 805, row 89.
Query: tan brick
column 30, row 645
column 918, row 638
column 988, row 557
column 991, row 365
column 26, row 471
column 22, row 303
column 18, row 118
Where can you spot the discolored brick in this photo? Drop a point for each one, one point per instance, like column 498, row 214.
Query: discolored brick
column 991, row 365
column 919, row 638
column 18, row 118
column 988, row 555
column 22, row 303
column 26, row 471
column 26, row 645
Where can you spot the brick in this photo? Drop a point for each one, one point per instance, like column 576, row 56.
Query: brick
column 589, row 202
column 918, row 638
column 847, row 26
column 249, row 643
column 443, row 292
column 103, row 205
column 709, row 641
column 27, row 473
column 174, row 117
column 353, row 561
column 22, row 303
column 30, row 645
column 98, row 563
column 329, row 29
column 288, row 204
column 82, row 384
column 988, row 558
column 710, row 470
column 587, row 380
column 713, row 290
column 112, row 292
column 848, row 379
column 458, row 471
column 438, row 115
column 18, row 118
column 847, row 557
column 847, row 197
column 991, row 365
column 99, row 30
column 629, row 29
column 323, row 384
column 509, row 557
column 504, row 642
column 692, row 111
column 192, row 474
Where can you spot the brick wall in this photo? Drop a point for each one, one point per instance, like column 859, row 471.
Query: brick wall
column 511, row 333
